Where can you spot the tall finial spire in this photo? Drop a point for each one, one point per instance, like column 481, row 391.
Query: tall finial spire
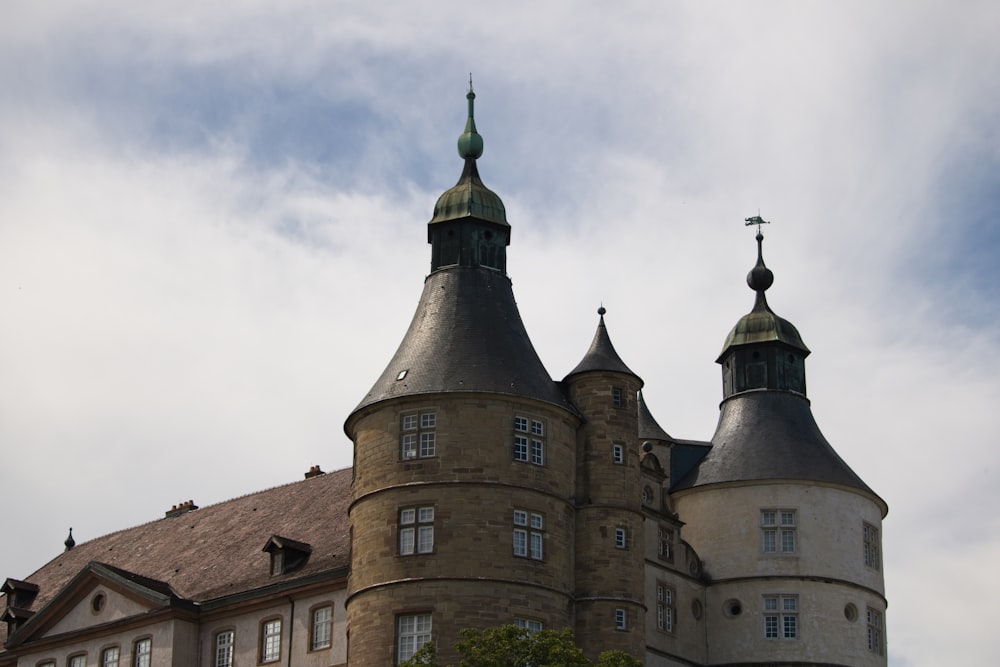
column 70, row 542
column 760, row 277
column 470, row 143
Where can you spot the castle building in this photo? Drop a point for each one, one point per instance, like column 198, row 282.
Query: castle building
column 483, row 493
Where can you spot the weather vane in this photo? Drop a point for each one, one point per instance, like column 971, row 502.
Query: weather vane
column 756, row 220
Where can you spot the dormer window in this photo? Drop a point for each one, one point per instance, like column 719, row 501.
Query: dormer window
column 287, row 555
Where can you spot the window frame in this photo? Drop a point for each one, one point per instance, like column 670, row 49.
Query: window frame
column 618, row 399
column 416, row 530
column 105, row 653
column 528, row 440
column 315, row 624
column 142, row 658
column 528, row 537
column 621, row 537
column 781, row 622
column 621, row 619
column 618, row 453
column 275, row 644
column 872, row 550
column 530, row 624
column 76, row 660
column 223, row 654
column 779, row 537
column 875, row 640
column 665, row 543
column 417, row 435
column 666, row 608
column 415, row 634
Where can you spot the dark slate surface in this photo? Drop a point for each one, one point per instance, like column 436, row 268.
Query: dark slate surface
column 467, row 336
column 602, row 355
column 648, row 428
column 770, row 435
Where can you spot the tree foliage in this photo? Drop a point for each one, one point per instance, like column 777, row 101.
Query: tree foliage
column 510, row 646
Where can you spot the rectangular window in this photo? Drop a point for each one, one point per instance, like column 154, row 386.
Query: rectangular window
column 781, row 617
column 322, row 619
column 270, row 641
column 529, row 534
column 871, row 551
column 621, row 538
column 777, row 531
column 618, row 454
column 109, row 657
column 876, row 644
column 664, row 607
column 142, row 652
column 528, row 624
column 617, row 397
column 77, row 661
column 416, row 530
column 418, row 436
column 665, row 538
column 412, row 632
column 537, row 452
column 621, row 620
column 529, row 449
column 224, row 649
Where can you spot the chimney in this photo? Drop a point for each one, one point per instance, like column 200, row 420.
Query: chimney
column 181, row 508
column 314, row 471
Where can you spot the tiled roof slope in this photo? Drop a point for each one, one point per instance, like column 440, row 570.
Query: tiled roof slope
column 215, row 551
column 601, row 356
column 466, row 336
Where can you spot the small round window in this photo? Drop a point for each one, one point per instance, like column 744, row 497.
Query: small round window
column 647, row 495
column 732, row 608
column 850, row 612
column 696, row 609
column 97, row 602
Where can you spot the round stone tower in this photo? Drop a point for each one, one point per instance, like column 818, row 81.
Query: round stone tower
column 788, row 533
column 464, row 455
column 609, row 524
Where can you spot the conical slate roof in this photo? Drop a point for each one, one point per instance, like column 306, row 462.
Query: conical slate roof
column 466, row 336
column 648, row 428
column 771, row 435
column 602, row 355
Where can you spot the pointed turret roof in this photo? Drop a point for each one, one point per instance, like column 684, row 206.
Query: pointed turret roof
column 602, row 355
column 467, row 334
column 761, row 324
column 648, row 428
column 766, row 431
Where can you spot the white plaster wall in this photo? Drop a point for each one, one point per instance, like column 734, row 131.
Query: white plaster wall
column 723, row 526
column 824, row 632
column 165, row 651
column 688, row 638
column 296, row 621
column 82, row 615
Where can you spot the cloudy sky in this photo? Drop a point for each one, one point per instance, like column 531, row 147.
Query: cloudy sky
column 212, row 238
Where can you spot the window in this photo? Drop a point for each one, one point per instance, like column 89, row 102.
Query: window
column 665, row 540
column 277, row 562
column 777, row 531
column 618, row 454
column 77, row 661
column 50, row 663
column 870, row 534
column 621, row 538
column 875, row 642
column 528, row 624
column 270, row 640
column 417, row 438
column 416, row 530
column 413, row 631
column 781, row 617
column 617, row 397
column 529, row 534
column 322, row 619
column 141, row 653
column 109, row 657
column 529, row 440
column 621, row 620
column 664, row 607
column 224, row 649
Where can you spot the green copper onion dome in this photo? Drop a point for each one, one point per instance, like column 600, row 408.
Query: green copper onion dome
column 470, row 197
column 761, row 325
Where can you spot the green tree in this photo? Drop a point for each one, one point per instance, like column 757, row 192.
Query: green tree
column 510, row 646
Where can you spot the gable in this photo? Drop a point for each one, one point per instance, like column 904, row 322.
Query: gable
column 94, row 605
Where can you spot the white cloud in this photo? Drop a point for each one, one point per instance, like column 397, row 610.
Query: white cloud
column 185, row 319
